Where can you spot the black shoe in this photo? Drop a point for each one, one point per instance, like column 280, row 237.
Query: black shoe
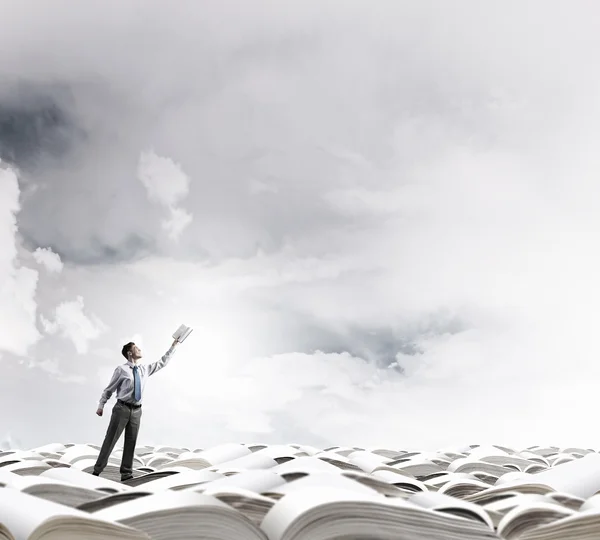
column 96, row 473
column 125, row 478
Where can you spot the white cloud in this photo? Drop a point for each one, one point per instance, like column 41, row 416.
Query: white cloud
column 47, row 258
column 52, row 368
column 380, row 183
column 177, row 223
column 168, row 185
column 18, row 283
column 71, row 322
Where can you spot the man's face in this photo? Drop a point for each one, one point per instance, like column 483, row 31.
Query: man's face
column 136, row 352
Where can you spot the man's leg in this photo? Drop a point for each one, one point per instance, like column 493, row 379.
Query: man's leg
column 118, row 421
column 131, row 434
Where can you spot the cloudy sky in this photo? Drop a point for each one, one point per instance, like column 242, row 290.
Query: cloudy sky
column 381, row 218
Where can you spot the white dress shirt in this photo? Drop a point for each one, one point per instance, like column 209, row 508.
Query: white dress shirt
column 122, row 379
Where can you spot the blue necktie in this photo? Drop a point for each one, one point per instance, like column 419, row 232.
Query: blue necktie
column 137, row 385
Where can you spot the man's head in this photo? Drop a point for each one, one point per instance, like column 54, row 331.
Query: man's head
column 131, row 352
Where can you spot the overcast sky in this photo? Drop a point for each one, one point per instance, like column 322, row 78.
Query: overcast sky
column 381, row 218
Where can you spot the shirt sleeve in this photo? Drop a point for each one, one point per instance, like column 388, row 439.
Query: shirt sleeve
column 158, row 365
column 110, row 389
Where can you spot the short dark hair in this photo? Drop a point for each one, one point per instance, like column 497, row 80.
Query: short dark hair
column 126, row 348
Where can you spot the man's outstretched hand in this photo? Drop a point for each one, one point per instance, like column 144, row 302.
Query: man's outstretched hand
column 175, row 342
column 99, row 412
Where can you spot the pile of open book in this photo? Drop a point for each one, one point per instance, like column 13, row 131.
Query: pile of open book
column 294, row 492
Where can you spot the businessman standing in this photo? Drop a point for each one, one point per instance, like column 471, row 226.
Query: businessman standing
column 128, row 381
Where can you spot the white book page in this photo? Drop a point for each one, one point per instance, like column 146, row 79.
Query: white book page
column 51, row 448
column 580, row 477
column 82, row 479
column 179, row 332
column 222, row 491
column 22, row 483
column 181, row 479
column 12, row 479
column 26, row 464
column 563, row 525
column 164, row 500
column 516, row 478
column 522, row 515
column 223, row 453
column 293, row 505
column 257, row 481
column 326, row 480
column 279, row 451
column 518, row 500
column 397, row 477
column 434, row 500
column 21, row 454
column 78, row 451
column 310, row 450
column 305, row 464
column 180, row 457
column 463, row 482
column 182, row 333
column 367, row 461
column 250, row 461
column 592, row 503
column 23, row 513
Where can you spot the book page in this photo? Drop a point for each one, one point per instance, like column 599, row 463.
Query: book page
column 255, row 460
column 188, row 478
column 580, row 477
column 182, row 333
column 22, row 514
column 179, row 332
column 77, row 452
column 438, row 501
column 530, row 516
column 161, row 501
column 325, row 480
column 23, row 483
column 222, row 453
column 305, row 464
column 367, row 461
column 185, row 335
column 460, row 485
column 592, row 503
column 289, row 508
column 50, row 448
column 579, row 525
column 258, row 481
column 82, row 479
column 33, row 466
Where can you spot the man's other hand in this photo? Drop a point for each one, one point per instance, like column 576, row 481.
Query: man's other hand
column 99, row 412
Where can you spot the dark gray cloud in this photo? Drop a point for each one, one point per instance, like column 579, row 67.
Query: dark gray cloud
column 36, row 123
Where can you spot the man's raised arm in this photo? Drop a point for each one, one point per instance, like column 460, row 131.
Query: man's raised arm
column 158, row 365
column 108, row 391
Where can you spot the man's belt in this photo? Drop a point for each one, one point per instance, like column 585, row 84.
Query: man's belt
column 130, row 405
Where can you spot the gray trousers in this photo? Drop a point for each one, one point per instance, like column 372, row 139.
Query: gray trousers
column 125, row 418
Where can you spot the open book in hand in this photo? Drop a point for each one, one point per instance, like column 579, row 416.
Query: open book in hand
column 182, row 333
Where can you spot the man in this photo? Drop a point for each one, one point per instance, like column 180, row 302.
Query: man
column 128, row 381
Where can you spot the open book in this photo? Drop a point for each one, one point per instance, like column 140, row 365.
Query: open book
column 182, row 333
column 252, row 491
column 25, row 517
